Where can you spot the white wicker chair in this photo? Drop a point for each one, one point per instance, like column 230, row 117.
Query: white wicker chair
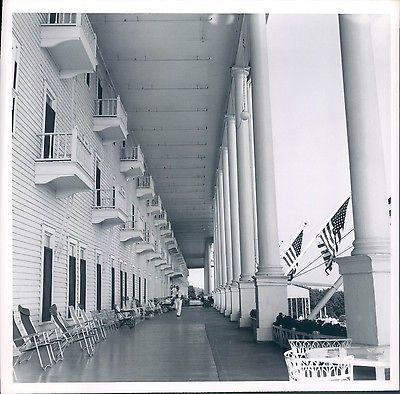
column 301, row 346
column 302, row 368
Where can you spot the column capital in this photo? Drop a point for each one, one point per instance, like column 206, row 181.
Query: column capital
column 235, row 71
column 223, row 148
column 229, row 117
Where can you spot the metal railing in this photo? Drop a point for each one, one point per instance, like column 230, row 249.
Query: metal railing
column 135, row 224
column 74, row 19
column 145, row 181
column 148, row 236
column 108, row 198
column 70, row 146
column 161, row 216
column 111, row 107
column 132, row 153
column 154, row 202
column 165, row 227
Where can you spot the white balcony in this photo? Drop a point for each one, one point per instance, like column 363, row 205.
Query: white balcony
column 169, row 238
column 132, row 161
column 109, row 207
column 71, row 42
column 65, row 163
column 173, row 247
column 160, row 219
column 145, row 187
column 154, row 205
column 110, row 120
column 147, row 245
column 132, row 231
column 166, row 231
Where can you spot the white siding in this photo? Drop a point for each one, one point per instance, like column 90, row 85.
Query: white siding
column 35, row 206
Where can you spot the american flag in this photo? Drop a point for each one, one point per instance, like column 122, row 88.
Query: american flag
column 331, row 236
column 292, row 253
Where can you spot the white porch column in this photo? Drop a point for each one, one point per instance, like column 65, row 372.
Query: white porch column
column 271, row 292
column 211, row 270
column 234, row 209
column 222, row 238
column 366, row 274
column 228, row 235
column 206, row 269
column 246, row 282
column 216, row 255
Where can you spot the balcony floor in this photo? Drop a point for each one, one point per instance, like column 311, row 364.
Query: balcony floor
column 201, row 345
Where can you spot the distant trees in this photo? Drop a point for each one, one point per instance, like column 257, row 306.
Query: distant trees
column 334, row 307
column 191, row 293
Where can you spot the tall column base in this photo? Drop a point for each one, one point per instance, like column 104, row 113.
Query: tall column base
column 271, row 299
column 247, row 302
column 222, row 305
column 235, row 302
column 216, row 299
column 228, row 301
column 366, row 282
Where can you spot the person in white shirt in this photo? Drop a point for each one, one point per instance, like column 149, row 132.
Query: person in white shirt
column 178, row 302
column 173, row 294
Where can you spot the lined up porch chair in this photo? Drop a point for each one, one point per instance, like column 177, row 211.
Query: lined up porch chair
column 79, row 322
column 25, row 345
column 301, row 368
column 124, row 318
column 73, row 333
column 53, row 337
column 96, row 324
column 301, row 346
column 106, row 322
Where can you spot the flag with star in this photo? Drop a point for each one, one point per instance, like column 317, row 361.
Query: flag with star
column 331, row 235
column 292, row 254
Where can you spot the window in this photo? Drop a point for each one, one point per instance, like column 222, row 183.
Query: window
column 112, row 288
column 82, row 277
column 133, row 286
column 47, row 284
column 16, row 49
column 72, row 288
column 98, row 280
column 87, row 78
column 49, row 125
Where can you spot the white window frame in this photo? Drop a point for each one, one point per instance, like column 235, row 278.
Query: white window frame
column 81, row 247
column 74, row 242
column 48, row 91
column 46, row 231
column 97, row 260
column 16, row 57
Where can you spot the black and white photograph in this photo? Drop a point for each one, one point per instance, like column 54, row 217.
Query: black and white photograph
column 199, row 196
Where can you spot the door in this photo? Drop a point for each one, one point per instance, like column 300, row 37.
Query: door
column 121, row 288
column 47, row 282
column 49, row 122
column 140, row 291
column 98, row 287
column 72, row 281
column 98, row 185
column 112, row 288
column 100, row 96
column 82, row 284
column 144, row 290
column 133, row 286
column 125, row 287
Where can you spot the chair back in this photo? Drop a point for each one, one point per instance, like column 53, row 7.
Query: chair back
column 302, row 368
column 301, row 346
column 25, row 316
column 74, row 315
column 58, row 320
column 17, row 335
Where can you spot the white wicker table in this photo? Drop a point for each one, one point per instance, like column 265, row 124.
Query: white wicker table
column 377, row 357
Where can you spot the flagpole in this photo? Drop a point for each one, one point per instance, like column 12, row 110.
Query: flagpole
column 287, row 246
column 313, row 239
column 325, row 298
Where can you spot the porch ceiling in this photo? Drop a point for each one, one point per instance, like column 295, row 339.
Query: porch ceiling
column 172, row 73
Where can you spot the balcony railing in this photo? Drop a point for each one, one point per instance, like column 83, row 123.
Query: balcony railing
column 71, row 41
column 132, row 153
column 144, row 182
column 135, row 225
column 65, row 162
column 109, row 207
column 111, row 108
column 132, row 230
column 69, row 146
column 73, row 19
column 154, row 202
column 132, row 161
column 161, row 216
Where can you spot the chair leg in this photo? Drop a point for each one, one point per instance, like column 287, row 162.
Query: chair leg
column 40, row 356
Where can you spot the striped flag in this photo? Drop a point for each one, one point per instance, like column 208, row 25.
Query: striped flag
column 292, row 253
column 331, row 236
